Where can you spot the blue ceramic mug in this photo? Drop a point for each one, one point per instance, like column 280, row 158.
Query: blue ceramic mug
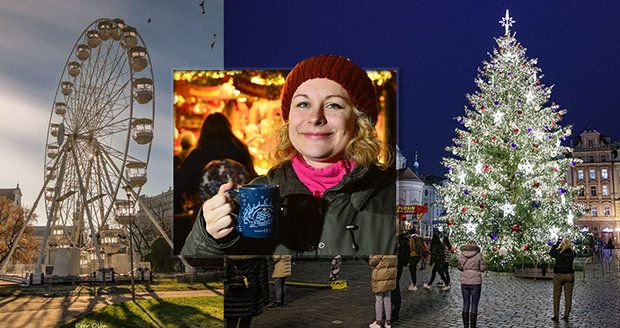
column 259, row 209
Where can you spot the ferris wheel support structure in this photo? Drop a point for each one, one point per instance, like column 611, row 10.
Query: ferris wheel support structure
column 104, row 99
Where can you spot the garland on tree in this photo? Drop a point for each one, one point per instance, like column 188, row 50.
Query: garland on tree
column 506, row 185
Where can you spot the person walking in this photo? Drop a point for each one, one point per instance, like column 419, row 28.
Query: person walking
column 448, row 259
column 281, row 270
column 416, row 251
column 383, row 281
column 563, row 277
column 608, row 250
column 438, row 261
column 471, row 265
column 402, row 258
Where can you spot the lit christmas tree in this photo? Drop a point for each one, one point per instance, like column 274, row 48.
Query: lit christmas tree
column 506, row 185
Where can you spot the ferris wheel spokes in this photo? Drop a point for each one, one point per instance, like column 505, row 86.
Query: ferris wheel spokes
column 93, row 234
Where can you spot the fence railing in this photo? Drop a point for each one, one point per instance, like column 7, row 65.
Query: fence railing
column 603, row 265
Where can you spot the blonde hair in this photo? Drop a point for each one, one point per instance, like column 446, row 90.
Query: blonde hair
column 364, row 148
column 564, row 245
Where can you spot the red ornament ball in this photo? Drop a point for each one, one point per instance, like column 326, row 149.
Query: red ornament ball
column 516, row 131
column 483, row 205
column 484, row 196
column 486, row 168
column 519, row 112
column 483, row 108
column 473, row 141
column 536, row 146
column 516, row 228
column 450, row 223
column 526, row 248
column 464, row 209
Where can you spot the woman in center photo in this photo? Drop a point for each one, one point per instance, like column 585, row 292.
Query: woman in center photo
column 331, row 189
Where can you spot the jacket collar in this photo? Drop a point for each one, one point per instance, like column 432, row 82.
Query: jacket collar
column 360, row 183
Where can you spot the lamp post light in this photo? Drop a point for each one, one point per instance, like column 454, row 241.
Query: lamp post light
column 128, row 190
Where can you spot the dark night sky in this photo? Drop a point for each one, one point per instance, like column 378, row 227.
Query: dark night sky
column 437, row 47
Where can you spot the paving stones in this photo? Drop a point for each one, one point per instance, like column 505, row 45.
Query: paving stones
column 506, row 301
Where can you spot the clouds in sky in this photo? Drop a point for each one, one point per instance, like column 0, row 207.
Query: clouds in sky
column 36, row 39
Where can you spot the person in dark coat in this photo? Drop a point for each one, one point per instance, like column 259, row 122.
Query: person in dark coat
column 402, row 258
column 246, row 289
column 216, row 141
column 447, row 260
column 339, row 197
column 438, row 261
column 563, row 277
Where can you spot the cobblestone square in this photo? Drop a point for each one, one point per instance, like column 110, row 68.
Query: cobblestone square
column 506, row 301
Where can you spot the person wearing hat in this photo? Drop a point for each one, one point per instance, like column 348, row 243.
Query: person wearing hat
column 339, row 198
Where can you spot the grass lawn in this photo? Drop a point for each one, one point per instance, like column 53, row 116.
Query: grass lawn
column 172, row 312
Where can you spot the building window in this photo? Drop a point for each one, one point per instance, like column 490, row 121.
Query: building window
column 594, row 211
column 604, row 174
column 592, row 174
column 590, row 143
column 592, row 190
column 591, row 159
column 580, row 174
column 605, row 190
column 581, row 192
column 606, row 211
column 603, row 158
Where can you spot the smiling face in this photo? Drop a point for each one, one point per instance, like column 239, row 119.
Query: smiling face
column 321, row 121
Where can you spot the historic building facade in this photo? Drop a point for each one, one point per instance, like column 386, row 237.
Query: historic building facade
column 412, row 189
column 12, row 194
column 598, row 177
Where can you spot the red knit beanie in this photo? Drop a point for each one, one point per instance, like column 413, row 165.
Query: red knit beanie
column 338, row 69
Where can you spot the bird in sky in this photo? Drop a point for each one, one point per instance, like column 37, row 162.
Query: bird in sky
column 148, row 21
column 202, row 6
column 213, row 43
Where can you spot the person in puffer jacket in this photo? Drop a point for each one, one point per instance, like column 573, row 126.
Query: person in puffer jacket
column 383, row 281
column 471, row 265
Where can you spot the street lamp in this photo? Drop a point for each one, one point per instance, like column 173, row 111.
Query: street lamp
column 129, row 190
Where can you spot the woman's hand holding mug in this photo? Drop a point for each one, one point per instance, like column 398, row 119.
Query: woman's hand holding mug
column 217, row 212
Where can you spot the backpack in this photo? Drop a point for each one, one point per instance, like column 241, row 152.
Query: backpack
column 217, row 173
column 425, row 252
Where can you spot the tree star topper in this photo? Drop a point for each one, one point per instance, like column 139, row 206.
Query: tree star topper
column 507, row 22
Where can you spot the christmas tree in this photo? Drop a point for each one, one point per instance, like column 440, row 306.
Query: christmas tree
column 506, row 185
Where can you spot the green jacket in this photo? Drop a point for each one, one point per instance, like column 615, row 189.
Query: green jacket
column 364, row 201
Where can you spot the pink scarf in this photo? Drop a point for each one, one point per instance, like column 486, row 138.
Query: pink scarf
column 319, row 180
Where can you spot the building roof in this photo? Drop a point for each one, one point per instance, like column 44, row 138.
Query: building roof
column 9, row 193
column 407, row 174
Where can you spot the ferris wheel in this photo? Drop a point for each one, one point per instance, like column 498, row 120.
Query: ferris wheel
column 99, row 136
